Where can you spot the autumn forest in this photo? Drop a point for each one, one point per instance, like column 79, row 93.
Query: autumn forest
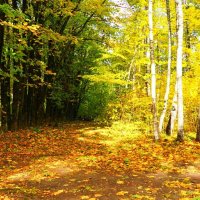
column 100, row 99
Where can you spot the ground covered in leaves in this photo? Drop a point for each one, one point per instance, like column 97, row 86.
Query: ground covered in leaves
column 89, row 161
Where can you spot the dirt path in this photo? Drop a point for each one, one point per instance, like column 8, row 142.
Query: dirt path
column 81, row 161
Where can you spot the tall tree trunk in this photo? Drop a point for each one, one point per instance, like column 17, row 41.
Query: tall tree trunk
column 10, row 67
column 187, row 41
column 179, row 13
column 2, row 17
column 162, row 116
column 24, row 6
column 148, row 71
column 0, row 109
column 198, row 127
column 131, row 68
column 153, row 72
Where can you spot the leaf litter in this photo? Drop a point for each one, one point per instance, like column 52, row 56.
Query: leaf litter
column 87, row 161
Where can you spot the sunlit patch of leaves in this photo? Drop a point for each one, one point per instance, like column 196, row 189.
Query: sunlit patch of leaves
column 109, row 148
column 41, row 151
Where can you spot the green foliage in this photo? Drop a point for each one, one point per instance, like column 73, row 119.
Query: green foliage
column 7, row 9
column 95, row 101
column 59, row 95
column 36, row 130
column 130, row 107
column 196, row 198
column 10, row 12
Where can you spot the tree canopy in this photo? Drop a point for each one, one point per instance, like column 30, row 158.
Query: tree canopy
column 89, row 59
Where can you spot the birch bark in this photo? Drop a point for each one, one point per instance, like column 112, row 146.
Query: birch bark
column 179, row 13
column 148, row 85
column 153, row 72
column 166, row 97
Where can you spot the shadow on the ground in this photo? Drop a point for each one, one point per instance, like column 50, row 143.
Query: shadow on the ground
column 74, row 162
column 103, row 185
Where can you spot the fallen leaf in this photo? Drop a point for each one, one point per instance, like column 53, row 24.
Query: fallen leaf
column 85, row 197
column 121, row 193
column 151, row 176
column 120, row 182
column 98, row 195
column 58, row 192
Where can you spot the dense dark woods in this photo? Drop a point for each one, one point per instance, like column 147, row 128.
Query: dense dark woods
column 99, row 60
column 46, row 48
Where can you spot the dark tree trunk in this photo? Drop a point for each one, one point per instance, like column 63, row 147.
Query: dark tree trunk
column 24, row 116
column 168, row 128
column 5, row 104
column 14, row 4
column 0, row 109
column 17, row 104
column 24, row 6
column 198, row 127
column 40, row 101
column 2, row 17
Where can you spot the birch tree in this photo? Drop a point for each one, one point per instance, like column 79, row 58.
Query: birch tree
column 162, row 116
column 148, row 85
column 153, row 71
column 179, row 13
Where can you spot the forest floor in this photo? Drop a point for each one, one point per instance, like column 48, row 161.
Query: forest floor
column 82, row 160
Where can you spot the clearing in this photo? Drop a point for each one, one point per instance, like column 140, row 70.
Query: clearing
column 82, row 160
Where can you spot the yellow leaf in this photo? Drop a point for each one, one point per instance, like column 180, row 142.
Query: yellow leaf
column 121, row 193
column 58, row 192
column 85, row 197
column 187, row 180
column 120, row 182
column 98, row 195
column 183, row 193
column 151, row 176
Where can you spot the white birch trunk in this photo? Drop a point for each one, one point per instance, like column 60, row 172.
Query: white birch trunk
column 166, row 97
column 148, row 72
column 153, row 72
column 179, row 12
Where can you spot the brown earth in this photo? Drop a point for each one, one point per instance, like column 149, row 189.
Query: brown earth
column 72, row 162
